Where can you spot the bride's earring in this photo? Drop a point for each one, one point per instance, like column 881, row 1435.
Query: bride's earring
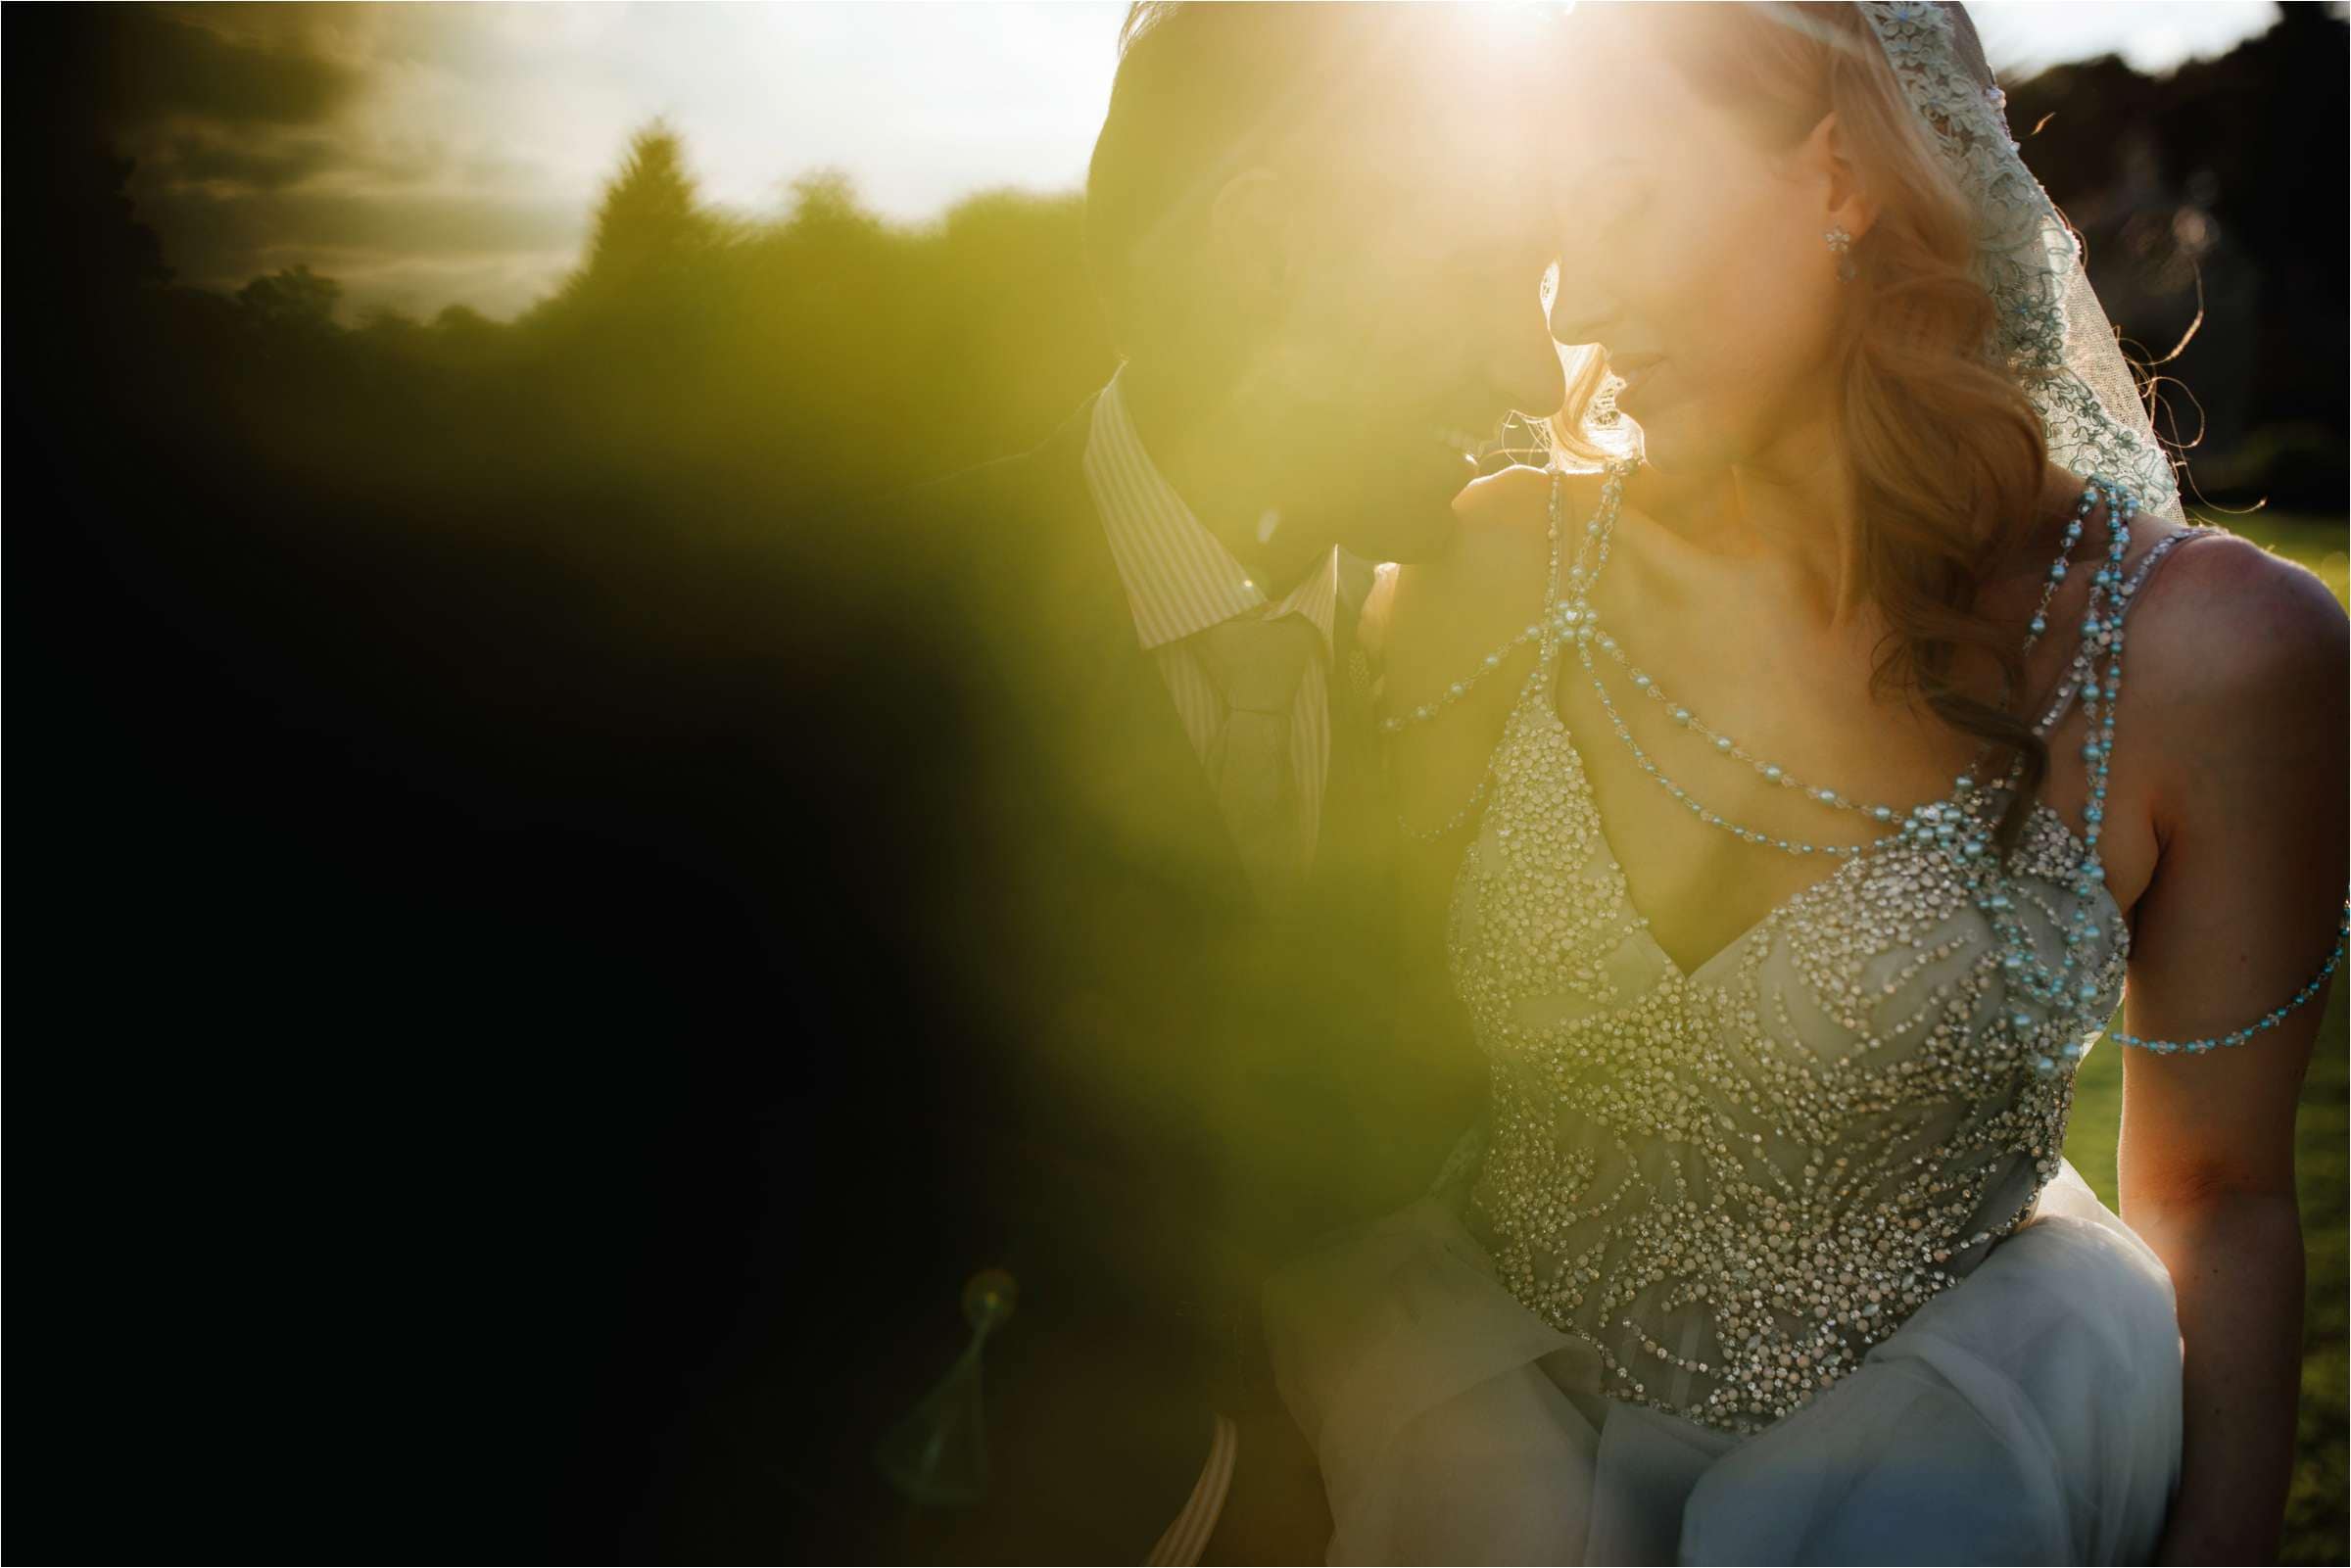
column 1842, row 243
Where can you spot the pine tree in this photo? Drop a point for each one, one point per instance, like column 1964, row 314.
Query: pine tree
column 651, row 223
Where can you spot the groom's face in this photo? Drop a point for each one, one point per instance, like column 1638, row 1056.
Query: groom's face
column 1413, row 324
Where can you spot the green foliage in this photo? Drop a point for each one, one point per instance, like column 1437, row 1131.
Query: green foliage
column 296, row 299
column 700, row 382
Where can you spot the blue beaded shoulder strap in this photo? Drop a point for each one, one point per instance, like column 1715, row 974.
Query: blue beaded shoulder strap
column 2111, row 597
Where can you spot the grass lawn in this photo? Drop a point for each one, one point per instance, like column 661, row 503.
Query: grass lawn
column 2316, row 1528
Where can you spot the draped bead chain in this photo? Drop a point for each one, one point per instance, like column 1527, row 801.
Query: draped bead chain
column 2046, row 1000
column 2268, row 1020
column 1592, row 553
column 1590, row 550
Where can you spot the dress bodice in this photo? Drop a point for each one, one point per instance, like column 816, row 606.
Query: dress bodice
column 1732, row 1181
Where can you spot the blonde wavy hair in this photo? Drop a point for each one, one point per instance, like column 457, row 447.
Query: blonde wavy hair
column 1947, row 455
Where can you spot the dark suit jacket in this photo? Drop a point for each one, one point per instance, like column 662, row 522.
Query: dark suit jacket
column 1159, row 1090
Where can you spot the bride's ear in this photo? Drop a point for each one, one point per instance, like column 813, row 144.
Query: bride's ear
column 1249, row 239
column 1845, row 203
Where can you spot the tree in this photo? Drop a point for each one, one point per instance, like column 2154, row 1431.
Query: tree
column 650, row 222
column 296, row 298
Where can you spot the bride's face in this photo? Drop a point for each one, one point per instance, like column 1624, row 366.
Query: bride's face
column 1696, row 257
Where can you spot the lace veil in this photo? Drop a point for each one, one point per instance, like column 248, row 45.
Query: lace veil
column 2051, row 328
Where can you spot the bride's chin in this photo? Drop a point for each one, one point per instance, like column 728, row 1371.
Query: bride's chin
column 1670, row 442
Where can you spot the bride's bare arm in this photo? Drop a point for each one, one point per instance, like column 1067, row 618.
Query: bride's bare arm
column 2244, row 661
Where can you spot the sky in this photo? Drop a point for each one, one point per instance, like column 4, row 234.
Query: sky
column 432, row 153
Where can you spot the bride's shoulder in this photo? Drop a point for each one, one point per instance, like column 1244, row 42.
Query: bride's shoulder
column 2228, row 629
column 1490, row 579
column 1517, row 501
column 2232, row 653
column 1517, row 493
column 2218, row 624
column 1492, row 566
column 1502, row 531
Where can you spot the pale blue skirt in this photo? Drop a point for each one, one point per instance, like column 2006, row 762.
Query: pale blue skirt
column 2028, row 1414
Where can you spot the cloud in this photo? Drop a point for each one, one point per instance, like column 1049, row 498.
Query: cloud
column 229, row 161
column 159, row 63
column 194, row 157
column 362, row 141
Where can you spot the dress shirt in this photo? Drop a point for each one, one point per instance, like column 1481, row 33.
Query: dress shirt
column 1180, row 580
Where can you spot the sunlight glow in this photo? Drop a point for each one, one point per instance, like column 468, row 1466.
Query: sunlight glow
column 465, row 163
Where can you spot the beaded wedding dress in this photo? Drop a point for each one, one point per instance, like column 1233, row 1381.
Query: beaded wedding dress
column 1778, row 1260
column 1773, row 1260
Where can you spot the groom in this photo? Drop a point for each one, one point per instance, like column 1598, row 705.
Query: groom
column 1160, row 905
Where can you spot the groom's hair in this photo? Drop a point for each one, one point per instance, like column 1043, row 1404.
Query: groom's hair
column 1205, row 91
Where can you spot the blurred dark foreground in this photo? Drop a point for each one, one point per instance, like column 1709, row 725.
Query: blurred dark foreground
column 475, row 1077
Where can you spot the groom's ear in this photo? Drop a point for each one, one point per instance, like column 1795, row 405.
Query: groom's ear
column 1249, row 243
column 1826, row 153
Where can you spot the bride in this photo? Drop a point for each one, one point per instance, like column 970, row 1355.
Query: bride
column 1791, row 816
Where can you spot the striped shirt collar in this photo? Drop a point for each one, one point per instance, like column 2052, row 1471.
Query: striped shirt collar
column 1180, row 577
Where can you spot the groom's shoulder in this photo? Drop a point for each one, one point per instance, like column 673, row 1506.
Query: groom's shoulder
column 991, row 513
column 1048, row 474
column 998, row 484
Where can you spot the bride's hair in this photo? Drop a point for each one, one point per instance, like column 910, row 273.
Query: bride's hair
column 1948, row 463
